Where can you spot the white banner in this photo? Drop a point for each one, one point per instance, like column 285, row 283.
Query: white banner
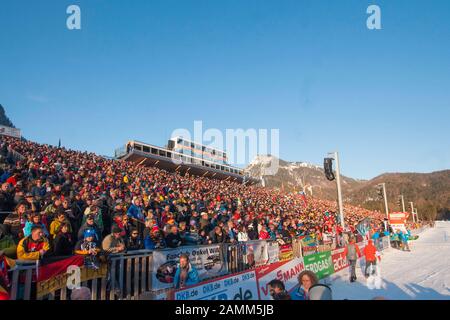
column 241, row 286
column 208, row 261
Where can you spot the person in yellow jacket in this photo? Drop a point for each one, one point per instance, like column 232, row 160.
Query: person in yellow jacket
column 55, row 226
column 34, row 246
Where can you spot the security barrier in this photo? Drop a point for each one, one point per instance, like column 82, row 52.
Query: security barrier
column 129, row 275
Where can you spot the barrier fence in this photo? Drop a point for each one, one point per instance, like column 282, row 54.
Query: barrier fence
column 129, row 275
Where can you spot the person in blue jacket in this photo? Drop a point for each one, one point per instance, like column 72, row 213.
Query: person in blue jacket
column 376, row 239
column 186, row 274
column 135, row 210
column 306, row 280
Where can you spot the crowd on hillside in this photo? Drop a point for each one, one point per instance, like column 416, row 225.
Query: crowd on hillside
column 66, row 202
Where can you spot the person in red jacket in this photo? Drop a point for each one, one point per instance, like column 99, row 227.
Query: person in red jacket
column 370, row 253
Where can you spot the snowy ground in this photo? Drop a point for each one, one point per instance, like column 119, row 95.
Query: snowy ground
column 423, row 273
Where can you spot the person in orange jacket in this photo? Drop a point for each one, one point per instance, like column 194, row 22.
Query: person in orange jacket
column 371, row 254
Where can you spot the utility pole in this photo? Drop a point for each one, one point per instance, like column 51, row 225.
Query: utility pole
column 403, row 203
column 338, row 182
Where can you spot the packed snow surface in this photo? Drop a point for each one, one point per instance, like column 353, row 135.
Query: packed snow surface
column 422, row 274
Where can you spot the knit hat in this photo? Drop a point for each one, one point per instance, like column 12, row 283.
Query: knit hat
column 89, row 233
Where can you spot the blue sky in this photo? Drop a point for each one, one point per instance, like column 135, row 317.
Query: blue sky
column 141, row 69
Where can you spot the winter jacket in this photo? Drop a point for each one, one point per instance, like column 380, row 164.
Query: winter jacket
column 134, row 244
column 299, row 294
column 192, row 277
column 173, row 240
column 110, row 243
column 63, row 245
column 28, row 249
column 370, row 252
column 352, row 252
column 8, row 246
column 135, row 212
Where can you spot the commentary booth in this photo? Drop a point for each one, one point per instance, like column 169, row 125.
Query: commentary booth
column 185, row 157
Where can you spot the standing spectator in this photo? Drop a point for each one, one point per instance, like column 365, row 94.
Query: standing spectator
column 173, row 239
column 278, row 290
column 242, row 235
column 186, row 274
column 352, row 253
column 306, row 280
column 7, row 245
column 134, row 242
column 34, row 220
column 56, row 224
column 370, row 253
column 64, row 243
column 113, row 243
column 34, row 246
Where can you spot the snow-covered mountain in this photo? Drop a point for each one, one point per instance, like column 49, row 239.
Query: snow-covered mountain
column 296, row 176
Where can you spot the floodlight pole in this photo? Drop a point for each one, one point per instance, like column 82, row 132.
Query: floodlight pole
column 338, row 182
column 385, row 199
column 403, row 203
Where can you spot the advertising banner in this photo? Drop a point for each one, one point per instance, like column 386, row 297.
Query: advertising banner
column 398, row 217
column 273, row 252
column 286, row 271
column 320, row 263
column 339, row 259
column 256, row 253
column 241, row 286
column 208, row 260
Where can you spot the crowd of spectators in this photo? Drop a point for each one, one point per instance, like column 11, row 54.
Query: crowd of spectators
column 66, row 202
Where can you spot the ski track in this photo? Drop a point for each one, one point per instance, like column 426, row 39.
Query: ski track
column 422, row 274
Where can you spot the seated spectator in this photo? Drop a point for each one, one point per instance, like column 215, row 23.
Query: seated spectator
column 113, row 243
column 186, row 274
column 34, row 246
column 134, row 242
column 7, row 245
column 63, row 244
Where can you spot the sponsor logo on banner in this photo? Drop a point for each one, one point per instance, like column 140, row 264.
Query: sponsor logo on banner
column 339, row 260
column 286, row 271
column 320, row 263
column 241, row 286
column 208, row 260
